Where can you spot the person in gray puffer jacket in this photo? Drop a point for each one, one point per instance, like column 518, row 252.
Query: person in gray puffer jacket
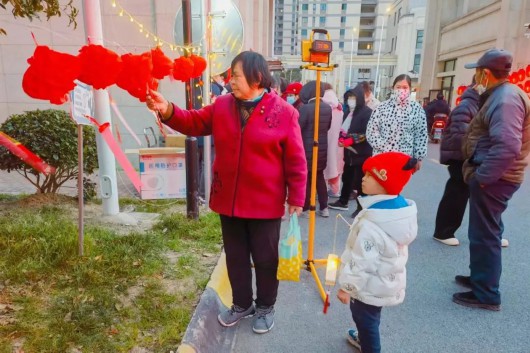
column 307, row 126
column 456, row 194
column 496, row 150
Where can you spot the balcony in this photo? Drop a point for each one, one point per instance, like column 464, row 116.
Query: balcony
column 365, row 52
column 368, row 2
column 367, row 27
column 366, row 39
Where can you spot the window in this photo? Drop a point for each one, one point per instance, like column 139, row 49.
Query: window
column 392, row 47
column 364, row 74
column 449, row 65
column 343, row 8
column 419, row 39
column 341, row 45
column 394, row 18
column 322, row 20
column 447, row 86
column 305, row 7
column 417, row 61
column 342, row 32
column 304, row 33
column 399, row 14
column 343, row 19
column 304, row 21
column 323, row 7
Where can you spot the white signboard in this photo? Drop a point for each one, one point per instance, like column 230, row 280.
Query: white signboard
column 82, row 102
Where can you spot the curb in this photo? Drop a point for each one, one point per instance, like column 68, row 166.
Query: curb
column 204, row 333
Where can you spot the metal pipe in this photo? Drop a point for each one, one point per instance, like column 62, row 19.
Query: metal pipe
column 192, row 150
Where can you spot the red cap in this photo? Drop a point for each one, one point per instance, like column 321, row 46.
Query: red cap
column 293, row 88
column 392, row 170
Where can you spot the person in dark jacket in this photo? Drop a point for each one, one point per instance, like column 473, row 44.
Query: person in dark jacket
column 454, row 200
column 354, row 128
column 496, row 149
column 307, row 126
column 437, row 106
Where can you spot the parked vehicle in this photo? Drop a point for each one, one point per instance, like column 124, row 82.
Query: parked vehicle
column 438, row 126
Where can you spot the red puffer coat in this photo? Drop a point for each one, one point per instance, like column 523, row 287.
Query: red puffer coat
column 256, row 169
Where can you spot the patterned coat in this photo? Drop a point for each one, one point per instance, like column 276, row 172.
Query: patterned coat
column 373, row 263
column 398, row 128
column 256, row 168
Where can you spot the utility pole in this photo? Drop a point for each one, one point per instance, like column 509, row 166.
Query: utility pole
column 192, row 149
column 106, row 161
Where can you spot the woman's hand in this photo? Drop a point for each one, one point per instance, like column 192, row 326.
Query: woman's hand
column 343, row 296
column 157, row 103
column 418, row 166
column 293, row 209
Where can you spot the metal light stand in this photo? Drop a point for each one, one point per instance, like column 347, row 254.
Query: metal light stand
column 310, row 262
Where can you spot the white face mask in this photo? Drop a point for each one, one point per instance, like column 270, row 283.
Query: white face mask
column 352, row 103
column 480, row 87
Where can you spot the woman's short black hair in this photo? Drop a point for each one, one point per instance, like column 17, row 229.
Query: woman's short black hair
column 255, row 68
column 401, row 78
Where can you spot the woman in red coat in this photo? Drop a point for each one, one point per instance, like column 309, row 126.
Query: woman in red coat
column 259, row 163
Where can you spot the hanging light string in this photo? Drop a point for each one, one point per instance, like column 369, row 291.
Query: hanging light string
column 122, row 12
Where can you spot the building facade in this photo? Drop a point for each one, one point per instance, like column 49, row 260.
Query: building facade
column 357, row 29
column 406, row 25
column 460, row 31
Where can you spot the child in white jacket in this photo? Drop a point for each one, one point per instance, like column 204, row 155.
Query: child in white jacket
column 373, row 271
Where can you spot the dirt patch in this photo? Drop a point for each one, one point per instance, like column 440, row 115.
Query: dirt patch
column 39, row 200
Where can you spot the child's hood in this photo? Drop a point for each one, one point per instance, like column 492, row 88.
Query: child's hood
column 401, row 224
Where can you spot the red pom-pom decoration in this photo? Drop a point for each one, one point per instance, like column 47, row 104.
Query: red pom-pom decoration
column 100, row 67
column 522, row 74
column 162, row 65
column 50, row 75
column 135, row 76
column 183, row 69
column 199, row 65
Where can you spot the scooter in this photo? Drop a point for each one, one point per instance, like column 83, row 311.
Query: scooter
column 438, row 127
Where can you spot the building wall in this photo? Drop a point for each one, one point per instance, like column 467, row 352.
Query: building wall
column 463, row 31
column 357, row 34
column 120, row 35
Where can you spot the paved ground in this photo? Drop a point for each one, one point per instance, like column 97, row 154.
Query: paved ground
column 428, row 321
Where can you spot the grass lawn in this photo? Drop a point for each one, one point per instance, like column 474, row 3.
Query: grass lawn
column 133, row 289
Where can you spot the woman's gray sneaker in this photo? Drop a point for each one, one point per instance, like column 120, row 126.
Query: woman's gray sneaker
column 231, row 316
column 264, row 320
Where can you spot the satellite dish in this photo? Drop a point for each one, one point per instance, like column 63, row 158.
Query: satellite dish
column 227, row 32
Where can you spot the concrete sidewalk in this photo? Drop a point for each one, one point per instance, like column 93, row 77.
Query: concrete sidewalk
column 428, row 321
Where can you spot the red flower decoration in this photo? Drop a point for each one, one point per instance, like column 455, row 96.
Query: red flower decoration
column 522, row 74
column 135, row 76
column 50, row 75
column 199, row 65
column 100, row 67
column 162, row 65
column 183, row 69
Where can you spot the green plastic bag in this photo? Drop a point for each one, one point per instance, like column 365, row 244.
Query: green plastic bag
column 290, row 253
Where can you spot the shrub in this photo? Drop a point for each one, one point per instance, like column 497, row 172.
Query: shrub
column 52, row 136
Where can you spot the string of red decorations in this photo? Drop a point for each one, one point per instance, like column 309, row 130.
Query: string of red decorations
column 51, row 74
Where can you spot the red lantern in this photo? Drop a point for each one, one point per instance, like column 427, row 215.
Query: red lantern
column 458, row 100
column 520, row 86
column 461, row 90
column 228, row 75
column 528, row 70
column 199, row 65
column 100, row 67
column 514, row 78
column 135, row 76
column 162, row 65
column 527, row 87
column 50, row 75
column 183, row 69
column 521, row 74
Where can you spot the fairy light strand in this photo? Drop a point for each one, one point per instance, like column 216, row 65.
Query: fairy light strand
column 122, row 12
